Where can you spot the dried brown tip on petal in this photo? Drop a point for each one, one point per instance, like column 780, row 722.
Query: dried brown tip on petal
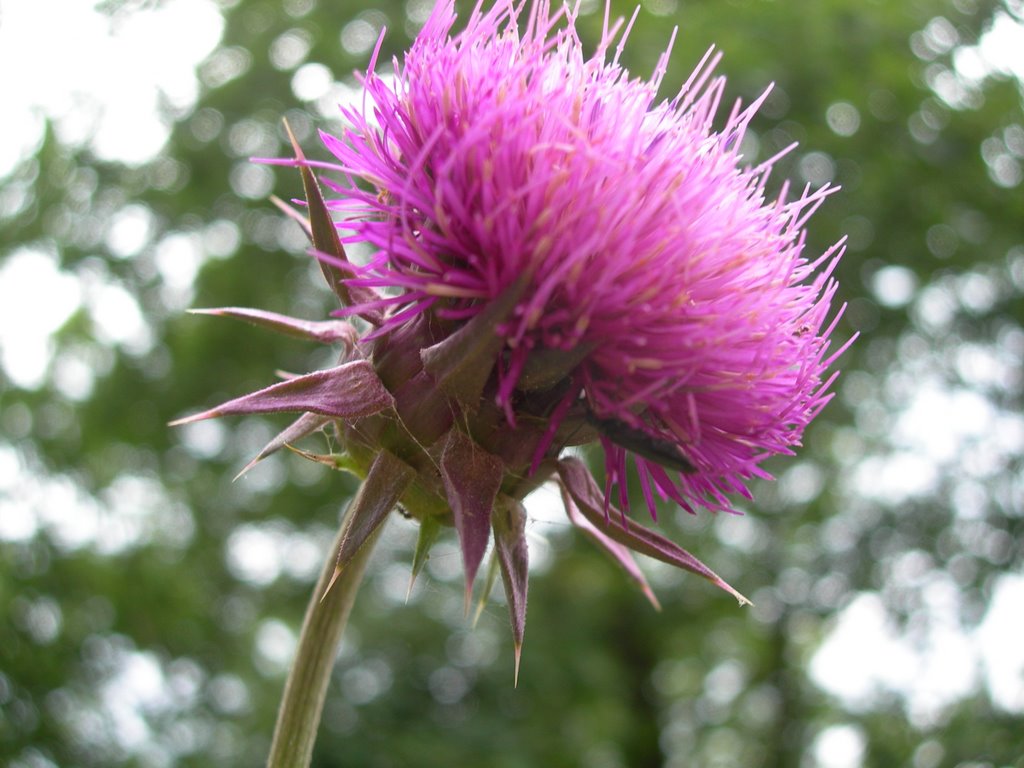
column 334, row 578
column 252, row 463
column 519, row 655
column 211, row 414
column 740, row 598
column 296, row 147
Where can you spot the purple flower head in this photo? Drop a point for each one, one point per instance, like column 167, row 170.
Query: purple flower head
column 652, row 259
column 557, row 259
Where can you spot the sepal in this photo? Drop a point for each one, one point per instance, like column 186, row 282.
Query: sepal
column 462, row 363
column 545, row 368
column 509, row 523
column 618, row 552
column 488, row 587
column 306, row 424
column 325, row 239
column 430, row 528
column 385, row 482
column 325, row 332
column 583, row 491
column 343, row 462
column 349, row 391
column 472, row 478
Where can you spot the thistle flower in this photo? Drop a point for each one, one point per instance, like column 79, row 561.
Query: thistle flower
column 557, row 259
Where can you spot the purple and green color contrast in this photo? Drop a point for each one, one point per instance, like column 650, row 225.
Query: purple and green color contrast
column 557, row 259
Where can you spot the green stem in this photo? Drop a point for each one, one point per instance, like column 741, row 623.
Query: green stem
column 326, row 616
column 304, row 693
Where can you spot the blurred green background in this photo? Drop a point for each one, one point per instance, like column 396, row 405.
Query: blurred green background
column 148, row 605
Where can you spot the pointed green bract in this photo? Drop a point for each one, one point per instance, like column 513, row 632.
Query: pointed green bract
column 430, row 529
column 343, row 462
column 488, row 587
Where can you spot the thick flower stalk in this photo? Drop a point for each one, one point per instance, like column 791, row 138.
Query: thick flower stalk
column 557, row 259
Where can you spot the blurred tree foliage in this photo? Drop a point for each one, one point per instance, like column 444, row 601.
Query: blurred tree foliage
column 148, row 603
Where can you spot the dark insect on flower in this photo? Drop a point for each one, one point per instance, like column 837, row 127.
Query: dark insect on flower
column 662, row 452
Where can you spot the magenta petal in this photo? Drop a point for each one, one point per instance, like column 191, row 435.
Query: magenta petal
column 578, row 483
column 329, row 332
column 509, row 523
column 472, row 478
column 663, row 274
column 349, row 391
column 618, row 552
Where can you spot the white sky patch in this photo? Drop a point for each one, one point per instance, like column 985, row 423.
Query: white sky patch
column 203, row 439
column 254, row 554
column 110, row 89
column 998, row 51
column 939, row 427
column 893, row 478
column 311, row 81
column 129, row 230
column 118, row 319
column 145, row 699
column 999, row 637
column 36, row 299
column 274, row 647
column 839, row 746
column 136, row 689
column 131, row 512
column 179, row 256
column 261, row 553
column 861, row 653
column 937, row 422
column 111, row 76
column 545, row 516
column 932, row 668
column 894, row 286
